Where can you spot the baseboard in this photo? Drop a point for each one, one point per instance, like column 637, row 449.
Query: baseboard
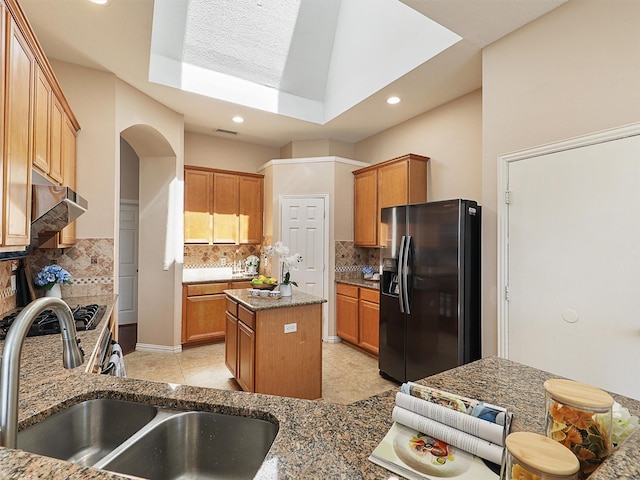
column 147, row 347
column 333, row 339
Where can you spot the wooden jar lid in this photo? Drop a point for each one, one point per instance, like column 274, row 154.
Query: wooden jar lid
column 578, row 394
column 542, row 454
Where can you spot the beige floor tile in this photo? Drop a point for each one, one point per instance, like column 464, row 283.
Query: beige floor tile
column 348, row 375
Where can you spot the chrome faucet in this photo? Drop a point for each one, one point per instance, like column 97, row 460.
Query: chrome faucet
column 72, row 357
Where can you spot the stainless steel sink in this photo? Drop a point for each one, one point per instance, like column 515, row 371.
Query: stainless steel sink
column 86, row 432
column 149, row 442
column 196, row 445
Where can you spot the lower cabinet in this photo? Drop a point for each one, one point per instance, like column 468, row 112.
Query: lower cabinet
column 275, row 351
column 357, row 316
column 203, row 311
column 246, row 357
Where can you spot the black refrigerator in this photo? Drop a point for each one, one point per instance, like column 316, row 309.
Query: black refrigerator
column 430, row 288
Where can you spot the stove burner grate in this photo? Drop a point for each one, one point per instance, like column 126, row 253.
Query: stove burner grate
column 87, row 317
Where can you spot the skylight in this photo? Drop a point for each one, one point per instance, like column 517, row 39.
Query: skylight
column 307, row 59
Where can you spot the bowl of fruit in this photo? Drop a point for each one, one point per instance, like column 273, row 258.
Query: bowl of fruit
column 264, row 283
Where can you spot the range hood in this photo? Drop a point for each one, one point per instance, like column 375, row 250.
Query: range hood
column 53, row 208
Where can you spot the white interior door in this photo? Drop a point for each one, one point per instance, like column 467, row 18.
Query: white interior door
column 128, row 265
column 573, row 264
column 303, row 230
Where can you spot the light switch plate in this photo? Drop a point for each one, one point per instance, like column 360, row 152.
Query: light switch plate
column 290, row 327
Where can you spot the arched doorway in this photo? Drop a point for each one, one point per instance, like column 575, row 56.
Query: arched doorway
column 145, row 239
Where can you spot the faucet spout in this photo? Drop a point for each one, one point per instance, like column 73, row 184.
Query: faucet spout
column 10, row 368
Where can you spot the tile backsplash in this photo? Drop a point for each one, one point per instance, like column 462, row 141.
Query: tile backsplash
column 90, row 262
column 351, row 258
column 205, row 256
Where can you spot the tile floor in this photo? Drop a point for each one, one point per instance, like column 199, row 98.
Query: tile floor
column 348, row 375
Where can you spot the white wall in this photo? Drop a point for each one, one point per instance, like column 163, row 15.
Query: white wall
column 216, row 152
column 91, row 95
column 450, row 135
column 129, row 172
column 325, row 175
column 105, row 107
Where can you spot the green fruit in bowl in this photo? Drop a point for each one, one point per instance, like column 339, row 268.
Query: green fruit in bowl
column 256, row 281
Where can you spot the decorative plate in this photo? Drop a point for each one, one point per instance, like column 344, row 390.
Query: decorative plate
column 430, row 456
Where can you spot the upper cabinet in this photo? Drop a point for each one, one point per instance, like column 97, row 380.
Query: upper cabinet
column 398, row 181
column 34, row 111
column 18, row 115
column 222, row 207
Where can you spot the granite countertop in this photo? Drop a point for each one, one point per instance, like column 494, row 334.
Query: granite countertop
column 254, row 303
column 355, row 278
column 315, row 439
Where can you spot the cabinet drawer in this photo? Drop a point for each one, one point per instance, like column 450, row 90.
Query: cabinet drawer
column 206, row 289
column 347, row 290
column 232, row 307
column 370, row 295
column 247, row 317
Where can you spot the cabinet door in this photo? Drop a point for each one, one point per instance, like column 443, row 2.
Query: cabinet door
column 198, row 203
column 231, row 344
column 225, row 208
column 250, row 209
column 68, row 148
column 205, row 318
column 55, row 141
column 41, row 123
column 18, row 144
column 347, row 318
column 365, row 209
column 393, row 184
column 369, row 326
column 246, row 357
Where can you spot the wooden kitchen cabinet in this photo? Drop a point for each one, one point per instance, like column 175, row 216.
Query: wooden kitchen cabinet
column 223, row 207
column 231, row 343
column 67, row 236
column 203, row 313
column 33, row 108
column 398, row 181
column 18, row 140
column 246, row 357
column 369, row 319
column 270, row 357
column 250, row 209
column 347, row 312
column 198, row 201
column 357, row 316
column 365, row 221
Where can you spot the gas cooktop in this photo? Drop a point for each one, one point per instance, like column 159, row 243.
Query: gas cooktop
column 87, row 317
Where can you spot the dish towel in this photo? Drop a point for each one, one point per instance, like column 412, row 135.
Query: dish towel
column 117, row 359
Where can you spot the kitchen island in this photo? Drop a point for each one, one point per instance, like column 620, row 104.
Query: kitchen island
column 315, row 439
column 274, row 345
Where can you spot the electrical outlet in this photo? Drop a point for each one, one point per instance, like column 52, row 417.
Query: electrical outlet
column 290, row 327
column 223, row 261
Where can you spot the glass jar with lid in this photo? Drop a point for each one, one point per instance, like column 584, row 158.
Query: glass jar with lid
column 530, row 456
column 579, row 416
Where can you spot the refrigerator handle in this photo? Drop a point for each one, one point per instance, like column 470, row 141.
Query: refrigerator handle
column 400, row 274
column 405, row 275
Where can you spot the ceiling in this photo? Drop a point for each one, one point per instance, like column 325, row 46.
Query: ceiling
column 378, row 54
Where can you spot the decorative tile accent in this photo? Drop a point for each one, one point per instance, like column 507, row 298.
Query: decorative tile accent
column 208, row 256
column 90, row 262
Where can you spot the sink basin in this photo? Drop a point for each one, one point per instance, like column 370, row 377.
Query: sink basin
column 86, row 432
column 197, row 445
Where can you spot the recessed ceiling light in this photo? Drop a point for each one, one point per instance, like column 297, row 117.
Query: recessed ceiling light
column 393, row 100
column 238, row 119
column 99, row 2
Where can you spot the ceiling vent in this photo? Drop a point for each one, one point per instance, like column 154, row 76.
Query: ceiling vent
column 228, row 132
